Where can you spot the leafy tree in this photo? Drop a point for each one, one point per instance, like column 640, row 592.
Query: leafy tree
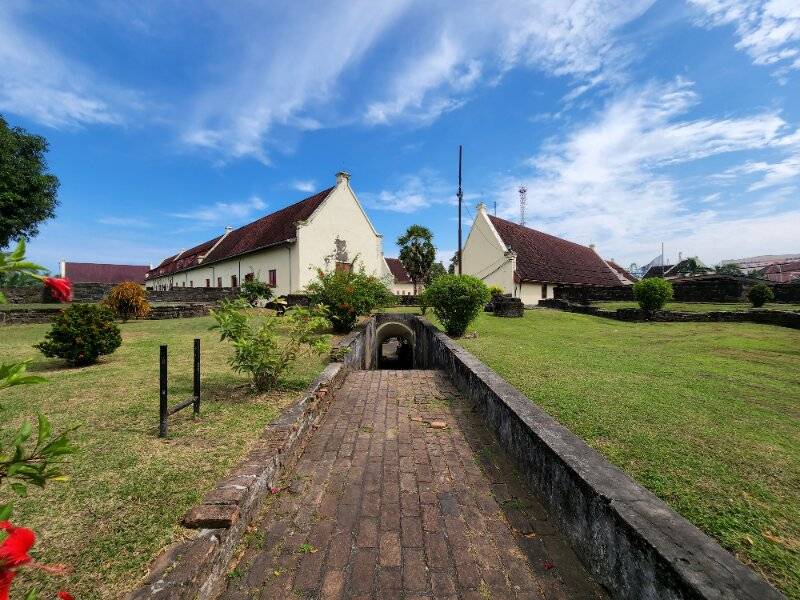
column 452, row 268
column 652, row 293
column 729, row 269
column 456, row 301
column 28, row 193
column 254, row 290
column 692, row 266
column 259, row 350
column 437, row 270
column 417, row 253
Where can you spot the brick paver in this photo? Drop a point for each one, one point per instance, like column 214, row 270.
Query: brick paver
column 402, row 493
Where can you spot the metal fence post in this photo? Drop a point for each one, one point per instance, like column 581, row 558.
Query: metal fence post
column 162, row 383
column 196, row 376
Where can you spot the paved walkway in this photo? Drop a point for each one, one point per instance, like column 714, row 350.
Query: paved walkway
column 402, row 493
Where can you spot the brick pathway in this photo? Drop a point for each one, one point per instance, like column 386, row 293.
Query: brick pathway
column 402, row 493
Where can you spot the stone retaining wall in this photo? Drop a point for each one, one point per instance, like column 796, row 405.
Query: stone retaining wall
column 196, row 568
column 631, row 541
column 782, row 318
column 26, row 316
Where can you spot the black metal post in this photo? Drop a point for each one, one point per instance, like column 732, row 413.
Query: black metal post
column 460, row 195
column 162, row 383
column 196, row 376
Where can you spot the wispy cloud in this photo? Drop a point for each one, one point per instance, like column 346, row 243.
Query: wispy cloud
column 224, row 212
column 40, row 83
column 768, row 30
column 607, row 181
column 123, row 221
column 412, row 193
column 306, row 186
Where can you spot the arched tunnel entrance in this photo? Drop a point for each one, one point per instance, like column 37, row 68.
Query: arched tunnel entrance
column 394, row 346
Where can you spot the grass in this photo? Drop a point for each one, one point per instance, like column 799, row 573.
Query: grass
column 705, row 415
column 700, row 306
column 129, row 489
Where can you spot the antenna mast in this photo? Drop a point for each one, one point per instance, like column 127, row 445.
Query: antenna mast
column 523, row 203
column 460, row 195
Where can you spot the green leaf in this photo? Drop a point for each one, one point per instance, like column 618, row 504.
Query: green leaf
column 32, row 594
column 20, row 489
column 45, row 429
column 5, row 511
column 23, row 434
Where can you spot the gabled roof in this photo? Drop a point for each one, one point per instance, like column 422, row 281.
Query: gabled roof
column 267, row 231
column 276, row 228
column 545, row 258
column 657, row 271
column 104, row 273
column 399, row 272
column 622, row 271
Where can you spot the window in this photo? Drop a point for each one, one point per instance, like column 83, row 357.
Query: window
column 273, row 278
column 219, row 282
column 183, row 284
column 208, row 283
column 544, row 290
column 249, row 277
column 233, row 281
column 191, row 283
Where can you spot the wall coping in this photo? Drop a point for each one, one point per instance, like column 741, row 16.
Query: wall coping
column 673, row 558
column 196, row 568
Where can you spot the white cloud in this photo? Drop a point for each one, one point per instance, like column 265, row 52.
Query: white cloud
column 306, row 186
column 768, row 30
column 227, row 212
column 606, row 181
column 123, row 221
column 413, row 193
column 39, row 83
column 771, row 174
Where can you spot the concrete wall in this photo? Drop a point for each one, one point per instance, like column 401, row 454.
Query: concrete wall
column 485, row 256
column 531, row 293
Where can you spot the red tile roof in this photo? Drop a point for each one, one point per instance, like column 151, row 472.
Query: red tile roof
column 545, row 258
column 622, row 271
column 267, row 231
column 398, row 271
column 270, row 230
column 783, row 272
column 104, row 273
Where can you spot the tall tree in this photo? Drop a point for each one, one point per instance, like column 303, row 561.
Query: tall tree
column 28, row 193
column 437, row 270
column 417, row 253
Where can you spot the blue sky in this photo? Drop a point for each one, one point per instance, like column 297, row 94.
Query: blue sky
column 630, row 122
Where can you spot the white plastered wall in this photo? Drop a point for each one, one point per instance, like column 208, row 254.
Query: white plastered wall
column 485, row 255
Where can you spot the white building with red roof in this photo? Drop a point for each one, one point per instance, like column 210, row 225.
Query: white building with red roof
column 401, row 280
column 283, row 249
column 528, row 263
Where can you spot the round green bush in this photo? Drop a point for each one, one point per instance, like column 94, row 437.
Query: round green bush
column 652, row 293
column 456, row 301
column 81, row 333
column 760, row 294
column 495, row 290
column 348, row 295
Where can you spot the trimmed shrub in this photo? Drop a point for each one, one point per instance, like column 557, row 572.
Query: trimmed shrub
column 652, row 293
column 128, row 300
column 760, row 294
column 456, row 301
column 254, row 291
column 495, row 290
column 348, row 295
column 82, row 333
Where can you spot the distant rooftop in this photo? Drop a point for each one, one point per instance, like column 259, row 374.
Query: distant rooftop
column 103, row 272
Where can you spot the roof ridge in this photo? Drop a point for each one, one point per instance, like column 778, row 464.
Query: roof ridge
column 539, row 231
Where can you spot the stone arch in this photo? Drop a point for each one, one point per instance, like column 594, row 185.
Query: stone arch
column 384, row 333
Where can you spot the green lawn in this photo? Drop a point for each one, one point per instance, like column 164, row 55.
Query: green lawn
column 705, row 415
column 700, row 306
column 128, row 489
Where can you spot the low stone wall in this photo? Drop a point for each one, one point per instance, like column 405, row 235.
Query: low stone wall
column 196, row 568
column 28, row 316
column 179, row 311
column 585, row 294
column 631, row 541
column 24, row 294
column 782, row 318
column 787, row 292
column 193, row 294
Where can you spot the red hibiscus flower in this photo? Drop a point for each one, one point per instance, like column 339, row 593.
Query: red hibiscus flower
column 13, row 554
column 60, row 288
column 62, row 595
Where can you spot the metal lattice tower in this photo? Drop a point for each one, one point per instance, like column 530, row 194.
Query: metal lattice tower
column 523, row 203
